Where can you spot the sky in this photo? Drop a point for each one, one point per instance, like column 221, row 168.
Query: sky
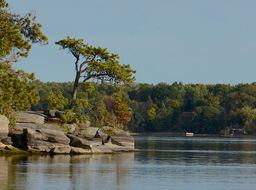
column 189, row 41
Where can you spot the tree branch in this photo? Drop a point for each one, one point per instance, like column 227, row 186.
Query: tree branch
column 76, row 63
column 94, row 76
column 86, row 62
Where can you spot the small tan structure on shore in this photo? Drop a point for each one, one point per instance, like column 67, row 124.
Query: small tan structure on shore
column 189, row 134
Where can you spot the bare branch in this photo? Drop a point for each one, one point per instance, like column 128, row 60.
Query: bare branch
column 94, row 76
column 84, row 63
column 88, row 59
column 76, row 63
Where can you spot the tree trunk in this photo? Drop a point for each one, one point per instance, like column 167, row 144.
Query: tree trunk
column 76, row 86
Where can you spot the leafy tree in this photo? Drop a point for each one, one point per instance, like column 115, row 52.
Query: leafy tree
column 17, row 88
column 101, row 115
column 76, row 114
column 207, row 119
column 122, row 110
column 17, row 33
column 95, row 63
column 17, row 91
column 193, row 95
column 56, row 101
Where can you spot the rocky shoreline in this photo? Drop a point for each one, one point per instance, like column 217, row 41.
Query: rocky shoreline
column 35, row 133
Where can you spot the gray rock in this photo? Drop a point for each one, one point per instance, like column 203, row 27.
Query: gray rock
column 20, row 141
column 89, row 132
column 7, row 141
column 84, row 125
column 61, row 149
column 47, row 147
column 18, row 138
column 4, row 126
column 30, row 117
column 102, row 149
column 80, row 142
column 46, row 140
column 70, row 127
column 49, row 135
column 77, row 150
column 21, row 126
column 123, row 139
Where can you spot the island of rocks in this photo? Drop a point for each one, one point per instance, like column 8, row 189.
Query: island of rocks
column 40, row 133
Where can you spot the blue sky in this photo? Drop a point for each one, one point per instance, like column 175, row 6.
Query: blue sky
column 189, row 41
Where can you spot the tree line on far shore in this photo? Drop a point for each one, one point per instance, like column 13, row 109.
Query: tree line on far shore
column 177, row 107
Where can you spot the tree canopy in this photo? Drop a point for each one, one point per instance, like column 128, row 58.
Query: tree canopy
column 17, row 91
column 17, row 33
column 95, row 63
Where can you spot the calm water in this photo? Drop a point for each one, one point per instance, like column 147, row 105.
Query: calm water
column 164, row 163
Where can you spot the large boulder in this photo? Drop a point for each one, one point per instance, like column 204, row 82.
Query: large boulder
column 123, row 139
column 4, row 127
column 89, row 132
column 82, row 142
column 47, row 140
column 30, row 117
column 17, row 135
column 118, row 137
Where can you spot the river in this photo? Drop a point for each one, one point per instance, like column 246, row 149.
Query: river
column 179, row 163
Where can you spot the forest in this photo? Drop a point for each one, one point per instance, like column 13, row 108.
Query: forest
column 177, row 107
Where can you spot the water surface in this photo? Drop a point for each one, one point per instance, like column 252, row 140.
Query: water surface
column 192, row 163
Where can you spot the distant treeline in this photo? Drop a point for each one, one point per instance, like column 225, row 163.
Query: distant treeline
column 198, row 108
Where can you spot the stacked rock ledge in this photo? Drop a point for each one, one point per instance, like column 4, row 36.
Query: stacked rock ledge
column 32, row 134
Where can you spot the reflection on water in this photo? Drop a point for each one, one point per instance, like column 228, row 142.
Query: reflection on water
column 164, row 163
column 64, row 171
column 199, row 150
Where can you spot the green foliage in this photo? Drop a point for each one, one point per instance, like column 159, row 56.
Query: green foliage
column 56, row 101
column 95, row 63
column 17, row 91
column 110, row 131
column 122, row 110
column 152, row 113
column 69, row 116
column 76, row 114
column 17, row 33
column 80, row 107
column 211, row 108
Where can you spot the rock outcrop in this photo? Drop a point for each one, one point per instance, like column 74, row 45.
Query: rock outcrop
column 124, row 140
column 46, row 140
column 32, row 135
column 30, row 117
column 80, row 142
column 89, row 132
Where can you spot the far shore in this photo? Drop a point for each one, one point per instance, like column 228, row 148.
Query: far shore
column 172, row 134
